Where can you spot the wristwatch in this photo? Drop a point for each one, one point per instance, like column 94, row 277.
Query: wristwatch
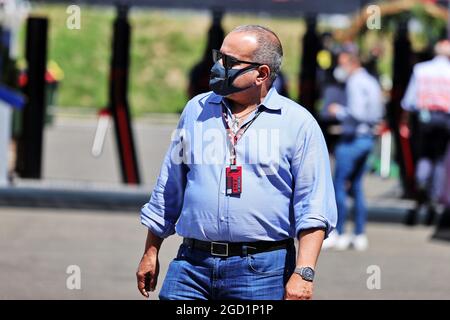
column 306, row 273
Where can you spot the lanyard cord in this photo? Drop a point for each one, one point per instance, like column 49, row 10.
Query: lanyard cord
column 233, row 138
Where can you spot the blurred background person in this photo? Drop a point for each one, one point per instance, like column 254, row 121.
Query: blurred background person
column 428, row 97
column 332, row 88
column 358, row 117
column 281, row 85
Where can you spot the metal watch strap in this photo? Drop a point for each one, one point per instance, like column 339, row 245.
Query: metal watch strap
column 308, row 275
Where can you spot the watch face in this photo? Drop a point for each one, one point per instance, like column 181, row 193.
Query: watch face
column 307, row 274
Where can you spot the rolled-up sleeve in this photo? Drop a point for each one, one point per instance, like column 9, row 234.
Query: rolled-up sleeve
column 162, row 211
column 314, row 198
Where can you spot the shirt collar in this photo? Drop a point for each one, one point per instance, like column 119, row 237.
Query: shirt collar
column 358, row 71
column 272, row 100
column 441, row 59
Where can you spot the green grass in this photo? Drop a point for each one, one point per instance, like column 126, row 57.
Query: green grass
column 165, row 46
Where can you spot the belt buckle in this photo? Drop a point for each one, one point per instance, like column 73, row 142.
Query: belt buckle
column 219, row 254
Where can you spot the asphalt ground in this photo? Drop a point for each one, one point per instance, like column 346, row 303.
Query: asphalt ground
column 38, row 246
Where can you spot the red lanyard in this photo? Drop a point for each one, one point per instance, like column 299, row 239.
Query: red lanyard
column 233, row 138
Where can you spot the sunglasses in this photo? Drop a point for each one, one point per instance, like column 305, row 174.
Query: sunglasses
column 229, row 62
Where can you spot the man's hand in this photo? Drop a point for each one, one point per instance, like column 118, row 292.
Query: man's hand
column 298, row 289
column 148, row 267
column 310, row 242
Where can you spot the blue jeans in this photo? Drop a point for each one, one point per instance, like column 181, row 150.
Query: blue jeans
column 196, row 275
column 351, row 157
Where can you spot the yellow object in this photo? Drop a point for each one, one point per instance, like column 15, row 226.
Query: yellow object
column 21, row 64
column 324, row 59
column 55, row 70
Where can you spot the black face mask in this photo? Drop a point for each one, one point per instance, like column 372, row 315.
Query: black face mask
column 221, row 81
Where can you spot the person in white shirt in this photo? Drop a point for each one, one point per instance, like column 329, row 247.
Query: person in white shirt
column 428, row 95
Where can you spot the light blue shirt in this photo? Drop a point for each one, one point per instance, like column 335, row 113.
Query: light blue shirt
column 286, row 179
column 364, row 106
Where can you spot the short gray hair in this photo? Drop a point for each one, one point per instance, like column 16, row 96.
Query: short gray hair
column 269, row 50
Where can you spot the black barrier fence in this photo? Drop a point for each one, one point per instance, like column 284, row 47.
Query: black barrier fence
column 29, row 148
column 118, row 101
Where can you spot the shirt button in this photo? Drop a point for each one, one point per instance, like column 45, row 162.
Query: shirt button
column 222, row 218
column 223, row 192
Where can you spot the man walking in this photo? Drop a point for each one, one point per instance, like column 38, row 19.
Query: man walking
column 246, row 173
column 363, row 110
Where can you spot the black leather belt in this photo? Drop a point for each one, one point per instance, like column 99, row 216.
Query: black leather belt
column 229, row 249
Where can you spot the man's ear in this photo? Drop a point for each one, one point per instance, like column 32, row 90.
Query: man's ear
column 264, row 74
